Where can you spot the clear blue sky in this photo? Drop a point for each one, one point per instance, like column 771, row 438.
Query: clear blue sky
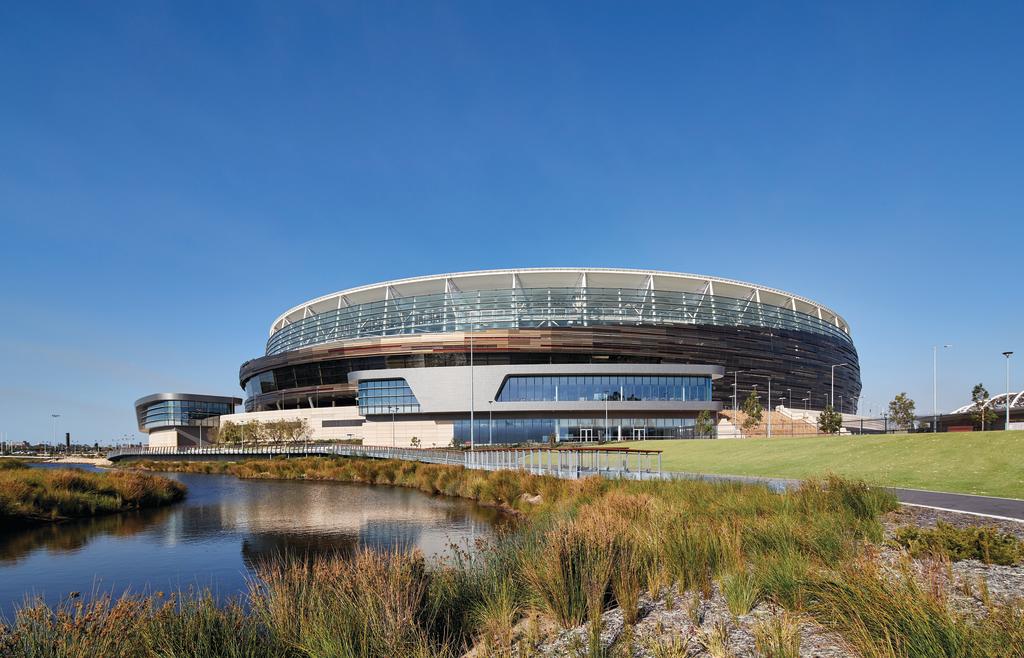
column 174, row 175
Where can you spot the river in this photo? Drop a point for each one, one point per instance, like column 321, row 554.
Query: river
column 225, row 525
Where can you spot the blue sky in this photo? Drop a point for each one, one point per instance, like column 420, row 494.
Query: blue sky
column 174, row 175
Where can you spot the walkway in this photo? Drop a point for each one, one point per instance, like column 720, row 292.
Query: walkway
column 569, row 463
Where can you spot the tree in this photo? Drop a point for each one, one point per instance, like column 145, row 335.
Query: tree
column 830, row 421
column 901, row 412
column 705, row 426
column 982, row 413
column 752, row 411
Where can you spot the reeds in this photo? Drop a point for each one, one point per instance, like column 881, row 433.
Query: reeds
column 587, row 546
column 31, row 495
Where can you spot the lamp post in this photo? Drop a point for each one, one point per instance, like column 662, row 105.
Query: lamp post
column 472, row 393
column 832, row 392
column 807, row 400
column 935, row 386
column 393, row 410
column 55, row 417
column 606, row 415
column 490, row 422
column 1007, row 355
column 735, row 391
column 790, row 391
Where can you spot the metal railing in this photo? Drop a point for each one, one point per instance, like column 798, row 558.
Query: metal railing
column 569, row 463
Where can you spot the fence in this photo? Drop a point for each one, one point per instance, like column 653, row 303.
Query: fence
column 569, row 463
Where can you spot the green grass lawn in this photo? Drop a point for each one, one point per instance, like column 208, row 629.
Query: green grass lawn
column 984, row 463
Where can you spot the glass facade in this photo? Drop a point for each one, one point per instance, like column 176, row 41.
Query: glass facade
column 539, row 430
column 385, row 396
column 529, row 308
column 180, row 413
column 335, row 371
column 629, row 388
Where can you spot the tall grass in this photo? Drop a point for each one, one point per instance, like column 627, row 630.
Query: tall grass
column 31, row 495
column 587, row 546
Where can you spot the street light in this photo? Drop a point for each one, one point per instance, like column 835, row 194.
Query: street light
column 490, row 422
column 393, row 410
column 472, row 392
column 735, row 393
column 1007, row 355
column 935, row 386
column 832, row 393
column 790, row 391
column 55, row 417
column 606, row 415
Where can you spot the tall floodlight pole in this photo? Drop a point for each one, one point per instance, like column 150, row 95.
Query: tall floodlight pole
column 55, row 417
column 832, row 393
column 935, row 386
column 1007, row 403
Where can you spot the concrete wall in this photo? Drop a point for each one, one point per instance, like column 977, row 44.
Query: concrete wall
column 430, row 433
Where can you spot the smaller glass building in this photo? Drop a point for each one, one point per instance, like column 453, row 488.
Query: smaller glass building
column 181, row 419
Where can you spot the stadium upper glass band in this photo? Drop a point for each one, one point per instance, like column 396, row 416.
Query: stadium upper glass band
column 568, row 352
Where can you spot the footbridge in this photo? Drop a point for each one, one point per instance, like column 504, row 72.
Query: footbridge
column 570, row 462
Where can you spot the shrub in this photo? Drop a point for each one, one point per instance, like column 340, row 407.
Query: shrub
column 971, row 543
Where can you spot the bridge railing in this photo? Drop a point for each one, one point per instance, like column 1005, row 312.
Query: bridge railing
column 559, row 462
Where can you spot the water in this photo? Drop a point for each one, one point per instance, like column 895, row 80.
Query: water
column 223, row 527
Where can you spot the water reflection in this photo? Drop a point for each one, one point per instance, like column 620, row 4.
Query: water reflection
column 222, row 529
column 74, row 535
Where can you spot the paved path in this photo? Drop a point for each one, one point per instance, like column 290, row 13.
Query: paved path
column 1006, row 508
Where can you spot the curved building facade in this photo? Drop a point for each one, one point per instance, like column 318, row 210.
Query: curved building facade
column 533, row 353
column 181, row 419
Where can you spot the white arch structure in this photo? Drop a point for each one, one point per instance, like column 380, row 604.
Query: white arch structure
column 996, row 402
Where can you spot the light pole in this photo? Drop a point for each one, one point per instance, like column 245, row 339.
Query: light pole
column 935, row 386
column 790, row 391
column 490, row 422
column 393, row 410
column 807, row 400
column 735, row 392
column 472, row 393
column 606, row 415
column 1007, row 355
column 832, row 392
column 55, row 417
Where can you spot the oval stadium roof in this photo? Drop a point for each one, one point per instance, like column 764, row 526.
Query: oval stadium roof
column 558, row 277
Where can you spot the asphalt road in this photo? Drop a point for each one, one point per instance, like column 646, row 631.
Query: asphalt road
column 1009, row 508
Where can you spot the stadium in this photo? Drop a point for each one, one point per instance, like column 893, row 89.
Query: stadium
column 527, row 355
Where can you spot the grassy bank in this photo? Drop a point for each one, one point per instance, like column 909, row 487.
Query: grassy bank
column 583, row 548
column 983, row 463
column 36, row 495
column 500, row 488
